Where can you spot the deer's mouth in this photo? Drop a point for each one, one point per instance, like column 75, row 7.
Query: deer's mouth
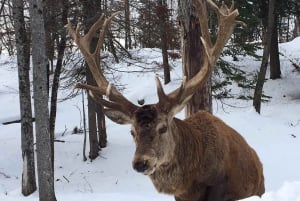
column 146, row 167
column 149, row 171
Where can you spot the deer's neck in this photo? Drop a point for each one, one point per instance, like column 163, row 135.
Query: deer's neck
column 171, row 176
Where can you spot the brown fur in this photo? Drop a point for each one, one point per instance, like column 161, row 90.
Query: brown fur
column 211, row 161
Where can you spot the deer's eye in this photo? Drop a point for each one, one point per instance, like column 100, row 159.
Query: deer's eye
column 162, row 130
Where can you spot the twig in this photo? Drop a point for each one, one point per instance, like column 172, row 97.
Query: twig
column 15, row 121
column 84, row 127
column 2, row 6
column 91, row 188
column 102, row 156
column 60, row 141
column 295, row 124
column 64, row 131
column 80, row 114
column 297, row 66
column 66, row 179
column 5, row 175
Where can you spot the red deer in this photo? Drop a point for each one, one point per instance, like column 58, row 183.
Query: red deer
column 199, row 158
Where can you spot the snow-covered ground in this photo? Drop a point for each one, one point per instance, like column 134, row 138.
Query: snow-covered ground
column 275, row 135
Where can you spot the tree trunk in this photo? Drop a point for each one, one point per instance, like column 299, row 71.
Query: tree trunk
column 92, row 122
column 102, row 135
column 56, row 78
column 50, row 28
column 296, row 31
column 84, row 127
column 27, row 139
column 127, row 25
column 111, row 46
column 275, row 71
column 193, row 54
column 43, row 142
column 162, row 13
column 90, row 12
column 264, row 64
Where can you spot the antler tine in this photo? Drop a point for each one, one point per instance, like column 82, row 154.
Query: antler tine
column 70, row 30
column 93, row 61
column 160, row 91
column 213, row 5
column 94, row 28
column 105, row 25
column 99, row 89
column 106, row 103
column 104, row 30
column 232, row 6
column 208, row 51
column 83, row 42
column 108, row 108
column 203, row 20
column 226, row 24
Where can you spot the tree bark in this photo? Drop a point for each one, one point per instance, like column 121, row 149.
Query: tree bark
column 193, row 54
column 84, row 127
column 92, row 121
column 27, row 139
column 275, row 72
column 43, row 141
column 98, row 135
column 50, row 29
column 162, row 13
column 56, row 78
column 264, row 64
column 90, row 14
column 127, row 25
column 102, row 135
column 296, row 31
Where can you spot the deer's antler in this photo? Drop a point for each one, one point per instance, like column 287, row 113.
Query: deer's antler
column 115, row 98
column 176, row 100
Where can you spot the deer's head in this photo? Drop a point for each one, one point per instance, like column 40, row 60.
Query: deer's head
column 153, row 128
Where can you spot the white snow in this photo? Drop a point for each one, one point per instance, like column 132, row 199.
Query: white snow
column 275, row 135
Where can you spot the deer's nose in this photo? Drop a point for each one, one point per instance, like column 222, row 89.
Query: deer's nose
column 141, row 166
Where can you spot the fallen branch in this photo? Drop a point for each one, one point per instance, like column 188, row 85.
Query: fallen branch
column 60, row 141
column 5, row 175
column 66, row 179
column 297, row 66
column 16, row 121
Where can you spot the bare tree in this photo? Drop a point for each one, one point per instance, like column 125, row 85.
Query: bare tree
column 266, row 52
column 162, row 13
column 61, row 46
column 7, row 28
column 23, row 57
column 128, row 42
column 275, row 71
column 90, row 11
column 296, row 31
column 40, row 89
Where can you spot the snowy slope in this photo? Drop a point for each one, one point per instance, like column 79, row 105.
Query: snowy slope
column 275, row 135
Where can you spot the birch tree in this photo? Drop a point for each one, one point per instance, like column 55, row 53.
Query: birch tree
column 23, row 57
column 40, row 90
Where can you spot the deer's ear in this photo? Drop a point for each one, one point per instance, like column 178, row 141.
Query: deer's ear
column 117, row 116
